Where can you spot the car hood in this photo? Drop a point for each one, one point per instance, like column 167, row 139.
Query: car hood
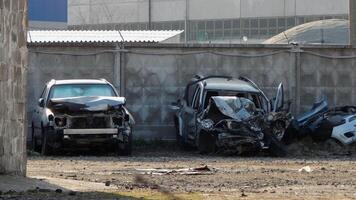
column 237, row 108
column 86, row 104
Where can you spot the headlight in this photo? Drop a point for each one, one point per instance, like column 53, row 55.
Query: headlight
column 60, row 121
column 207, row 124
column 270, row 117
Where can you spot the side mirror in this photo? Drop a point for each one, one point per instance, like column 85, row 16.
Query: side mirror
column 41, row 102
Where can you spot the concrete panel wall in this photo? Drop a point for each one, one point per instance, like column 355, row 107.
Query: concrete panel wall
column 153, row 77
column 44, row 67
column 332, row 78
column 13, row 59
column 153, row 82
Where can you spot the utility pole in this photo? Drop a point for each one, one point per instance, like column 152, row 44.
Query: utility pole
column 352, row 17
column 149, row 15
column 186, row 21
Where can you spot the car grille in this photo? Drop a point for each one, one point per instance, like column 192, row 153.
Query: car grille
column 89, row 122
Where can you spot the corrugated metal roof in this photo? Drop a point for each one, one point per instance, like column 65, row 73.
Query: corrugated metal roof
column 86, row 36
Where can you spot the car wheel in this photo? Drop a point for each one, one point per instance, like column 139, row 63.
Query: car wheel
column 179, row 138
column 35, row 147
column 125, row 148
column 206, row 143
column 45, row 149
column 276, row 147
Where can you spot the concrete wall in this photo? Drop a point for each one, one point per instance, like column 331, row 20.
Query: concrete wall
column 126, row 11
column 153, row 77
column 13, row 59
column 334, row 78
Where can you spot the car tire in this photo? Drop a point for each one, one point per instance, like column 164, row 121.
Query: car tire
column 206, row 143
column 34, row 146
column 46, row 149
column 179, row 138
column 276, row 147
column 125, row 149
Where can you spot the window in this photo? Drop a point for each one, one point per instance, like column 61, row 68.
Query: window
column 175, row 26
column 272, row 23
column 191, row 92
column 210, row 30
column 300, row 20
column 43, row 92
column 263, row 23
column 290, row 22
column 281, row 25
column 80, row 90
column 167, row 26
column 236, row 31
column 218, row 29
column 254, row 23
column 196, row 98
column 227, row 29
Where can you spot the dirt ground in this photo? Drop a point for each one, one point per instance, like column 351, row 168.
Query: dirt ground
column 325, row 176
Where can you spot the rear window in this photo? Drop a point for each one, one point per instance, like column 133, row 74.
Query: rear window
column 81, row 90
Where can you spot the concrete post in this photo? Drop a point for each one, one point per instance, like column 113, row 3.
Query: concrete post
column 116, row 69
column 13, row 62
column 297, row 90
column 352, row 17
column 149, row 14
column 186, row 21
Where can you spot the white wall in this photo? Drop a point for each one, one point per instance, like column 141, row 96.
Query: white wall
column 107, row 11
column 210, row 9
column 126, row 11
column 320, row 7
column 168, row 10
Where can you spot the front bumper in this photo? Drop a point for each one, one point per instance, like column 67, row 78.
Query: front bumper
column 60, row 137
column 228, row 139
column 106, row 131
column 237, row 144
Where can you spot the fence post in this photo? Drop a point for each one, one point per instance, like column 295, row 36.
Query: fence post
column 116, row 69
column 298, row 65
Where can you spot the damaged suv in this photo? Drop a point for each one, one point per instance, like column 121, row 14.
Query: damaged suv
column 81, row 111
column 225, row 114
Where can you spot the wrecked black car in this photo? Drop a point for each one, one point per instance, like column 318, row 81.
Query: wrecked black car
column 81, row 112
column 225, row 114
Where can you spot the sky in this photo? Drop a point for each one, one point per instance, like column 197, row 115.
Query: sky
column 47, row 10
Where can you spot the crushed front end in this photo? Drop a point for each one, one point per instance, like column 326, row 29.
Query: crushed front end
column 88, row 121
column 238, row 127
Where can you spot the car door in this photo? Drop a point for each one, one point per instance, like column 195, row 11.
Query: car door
column 189, row 113
column 37, row 113
column 279, row 99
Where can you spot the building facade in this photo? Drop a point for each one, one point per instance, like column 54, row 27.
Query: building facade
column 47, row 14
column 204, row 20
column 13, row 63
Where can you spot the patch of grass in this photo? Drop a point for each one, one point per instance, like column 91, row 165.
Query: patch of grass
column 155, row 195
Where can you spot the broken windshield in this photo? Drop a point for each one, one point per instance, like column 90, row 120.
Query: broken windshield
column 238, row 108
column 81, row 90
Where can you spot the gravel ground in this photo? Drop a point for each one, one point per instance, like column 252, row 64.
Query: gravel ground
column 329, row 175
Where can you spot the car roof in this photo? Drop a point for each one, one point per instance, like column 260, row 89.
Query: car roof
column 79, row 81
column 229, row 84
